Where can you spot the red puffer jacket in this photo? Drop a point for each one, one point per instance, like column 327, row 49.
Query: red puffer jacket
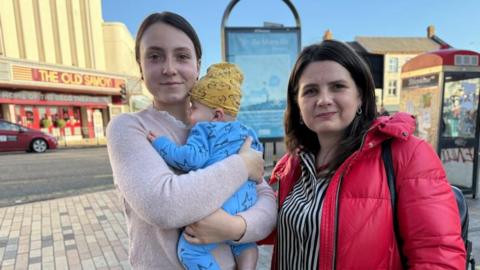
column 357, row 225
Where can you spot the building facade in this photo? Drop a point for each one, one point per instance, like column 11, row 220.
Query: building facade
column 393, row 63
column 393, row 53
column 62, row 67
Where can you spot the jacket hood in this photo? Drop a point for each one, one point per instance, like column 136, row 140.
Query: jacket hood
column 400, row 126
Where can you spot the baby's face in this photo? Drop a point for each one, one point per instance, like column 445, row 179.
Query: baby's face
column 200, row 112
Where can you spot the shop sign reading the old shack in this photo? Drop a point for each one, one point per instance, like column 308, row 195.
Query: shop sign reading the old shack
column 61, row 77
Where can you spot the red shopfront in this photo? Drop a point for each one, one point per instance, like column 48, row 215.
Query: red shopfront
column 68, row 115
column 64, row 104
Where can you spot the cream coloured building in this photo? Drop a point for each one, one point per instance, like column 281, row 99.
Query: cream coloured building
column 393, row 53
column 62, row 67
column 62, row 32
column 396, row 51
column 385, row 56
column 393, row 63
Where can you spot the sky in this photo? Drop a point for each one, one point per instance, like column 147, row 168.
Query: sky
column 456, row 22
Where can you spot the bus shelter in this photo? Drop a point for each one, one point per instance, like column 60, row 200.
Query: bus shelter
column 441, row 89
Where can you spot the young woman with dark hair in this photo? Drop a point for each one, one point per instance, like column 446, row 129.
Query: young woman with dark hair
column 335, row 210
column 159, row 201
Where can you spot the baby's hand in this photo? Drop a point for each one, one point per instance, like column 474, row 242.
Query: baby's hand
column 151, row 137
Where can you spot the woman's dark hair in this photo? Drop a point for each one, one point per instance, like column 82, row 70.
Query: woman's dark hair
column 173, row 20
column 297, row 134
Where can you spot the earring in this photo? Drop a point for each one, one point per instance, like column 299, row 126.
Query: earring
column 301, row 121
column 359, row 111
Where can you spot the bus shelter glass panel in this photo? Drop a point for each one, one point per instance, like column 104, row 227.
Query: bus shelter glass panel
column 458, row 128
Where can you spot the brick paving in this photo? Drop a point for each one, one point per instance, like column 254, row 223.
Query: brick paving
column 80, row 232
column 89, row 232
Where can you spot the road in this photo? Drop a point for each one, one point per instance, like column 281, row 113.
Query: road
column 27, row 177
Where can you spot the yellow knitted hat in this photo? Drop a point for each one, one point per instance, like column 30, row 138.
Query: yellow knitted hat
column 220, row 88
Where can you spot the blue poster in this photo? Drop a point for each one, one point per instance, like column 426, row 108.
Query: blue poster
column 266, row 58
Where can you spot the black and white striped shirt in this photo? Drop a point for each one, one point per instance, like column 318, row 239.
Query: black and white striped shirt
column 298, row 228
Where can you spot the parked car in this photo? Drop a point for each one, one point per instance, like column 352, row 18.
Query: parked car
column 14, row 137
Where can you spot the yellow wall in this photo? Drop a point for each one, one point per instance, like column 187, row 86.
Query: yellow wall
column 96, row 35
column 77, row 31
column 64, row 47
column 8, row 29
column 63, row 32
column 120, row 58
column 47, row 38
column 119, row 49
column 27, row 21
column 68, row 33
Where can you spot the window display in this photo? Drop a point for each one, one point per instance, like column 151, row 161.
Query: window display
column 460, row 105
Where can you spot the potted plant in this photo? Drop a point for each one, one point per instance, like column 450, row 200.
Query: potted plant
column 60, row 123
column 46, row 123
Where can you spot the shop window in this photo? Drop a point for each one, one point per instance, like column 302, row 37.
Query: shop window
column 54, row 115
column 45, row 119
column 28, row 117
column 18, row 115
column 64, row 113
column 73, row 122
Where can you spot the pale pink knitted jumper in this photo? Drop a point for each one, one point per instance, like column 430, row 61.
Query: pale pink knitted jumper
column 157, row 202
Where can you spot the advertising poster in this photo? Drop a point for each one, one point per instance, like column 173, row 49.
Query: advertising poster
column 266, row 58
column 421, row 97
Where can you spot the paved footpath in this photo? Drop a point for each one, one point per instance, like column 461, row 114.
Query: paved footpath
column 88, row 232
column 80, row 232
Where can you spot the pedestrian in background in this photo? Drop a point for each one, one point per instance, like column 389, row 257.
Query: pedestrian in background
column 335, row 210
column 157, row 200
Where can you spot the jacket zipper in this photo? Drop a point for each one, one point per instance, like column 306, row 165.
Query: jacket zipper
column 275, row 250
column 336, row 206
column 278, row 189
column 336, row 222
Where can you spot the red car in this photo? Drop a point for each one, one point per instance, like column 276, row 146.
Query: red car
column 14, row 137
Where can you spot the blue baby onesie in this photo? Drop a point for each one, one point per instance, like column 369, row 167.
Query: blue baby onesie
column 207, row 143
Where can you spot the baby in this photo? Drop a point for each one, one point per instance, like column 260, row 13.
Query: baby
column 216, row 134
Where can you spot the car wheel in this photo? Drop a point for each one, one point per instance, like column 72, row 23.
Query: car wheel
column 39, row 146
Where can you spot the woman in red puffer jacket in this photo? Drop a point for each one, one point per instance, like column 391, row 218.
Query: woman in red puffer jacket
column 335, row 210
